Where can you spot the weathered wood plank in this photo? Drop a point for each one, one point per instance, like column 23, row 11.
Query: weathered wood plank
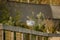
column 24, row 30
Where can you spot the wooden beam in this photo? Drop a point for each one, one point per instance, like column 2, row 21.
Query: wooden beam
column 24, row 30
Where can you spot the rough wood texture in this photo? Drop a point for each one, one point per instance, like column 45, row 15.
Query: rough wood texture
column 1, row 32
column 54, row 38
column 24, row 30
column 53, row 2
column 9, row 34
column 18, row 36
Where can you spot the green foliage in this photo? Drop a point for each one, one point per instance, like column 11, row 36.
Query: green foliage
column 5, row 18
column 10, row 22
column 15, row 18
column 4, row 14
column 40, row 25
column 15, row 21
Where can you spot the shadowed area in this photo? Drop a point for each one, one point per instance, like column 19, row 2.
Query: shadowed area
column 27, row 9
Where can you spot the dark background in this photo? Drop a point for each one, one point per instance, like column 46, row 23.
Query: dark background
column 27, row 9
